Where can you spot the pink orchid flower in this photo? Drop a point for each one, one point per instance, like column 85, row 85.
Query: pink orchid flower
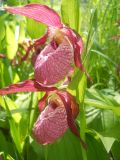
column 64, row 49
column 51, row 65
column 52, row 122
column 56, row 118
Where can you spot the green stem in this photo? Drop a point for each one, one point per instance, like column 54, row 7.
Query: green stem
column 80, row 92
column 46, row 152
column 82, row 129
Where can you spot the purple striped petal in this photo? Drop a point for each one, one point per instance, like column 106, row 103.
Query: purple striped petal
column 72, row 110
column 53, row 65
column 42, row 101
column 38, row 12
column 66, row 99
column 78, row 49
column 25, row 86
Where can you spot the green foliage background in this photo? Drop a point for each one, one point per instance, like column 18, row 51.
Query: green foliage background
column 99, row 118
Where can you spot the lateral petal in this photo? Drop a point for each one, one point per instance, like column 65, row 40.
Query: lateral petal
column 38, row 12
column 25, row 86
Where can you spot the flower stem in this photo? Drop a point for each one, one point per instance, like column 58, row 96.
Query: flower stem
column 80, row 92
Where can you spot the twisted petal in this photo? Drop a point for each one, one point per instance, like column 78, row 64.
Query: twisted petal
column 78, row 49
column 53, row 65
column 38, row 12
column 66, row 99
column 42, row 101
column 25, row 86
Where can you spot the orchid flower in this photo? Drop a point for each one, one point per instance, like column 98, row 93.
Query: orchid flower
column 56, row 118
column 51, row 65
column 64, row 46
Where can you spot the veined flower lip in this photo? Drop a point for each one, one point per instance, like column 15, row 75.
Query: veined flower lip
column 44, row 14
column 48, row 129
column 58, row 63
column 54, row 115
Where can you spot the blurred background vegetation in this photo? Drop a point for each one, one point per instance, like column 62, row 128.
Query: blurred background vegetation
column 97, row 21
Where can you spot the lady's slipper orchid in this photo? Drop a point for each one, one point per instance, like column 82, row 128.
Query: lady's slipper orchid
column 65, row 46
column 52, row 122
column 52, row 64
column 56, row 118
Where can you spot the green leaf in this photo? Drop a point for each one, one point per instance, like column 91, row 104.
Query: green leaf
column 35, row 29
column 3, row 121
column 109, row 123
column 14, row 129
column 7, row 74
column 9, row 158
column 108, row 142
column 3, row 143
column 23, row 102
column 70, row 13
column 37, row 1
column 13, row 2
column 74, row 83
column 116, row 150
column 12, row 106
column 96, row 149
column 21, row 32
column 10, row 40
column 68, row 147
column 2, row 30
column 33, row 150
column 102, row 100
